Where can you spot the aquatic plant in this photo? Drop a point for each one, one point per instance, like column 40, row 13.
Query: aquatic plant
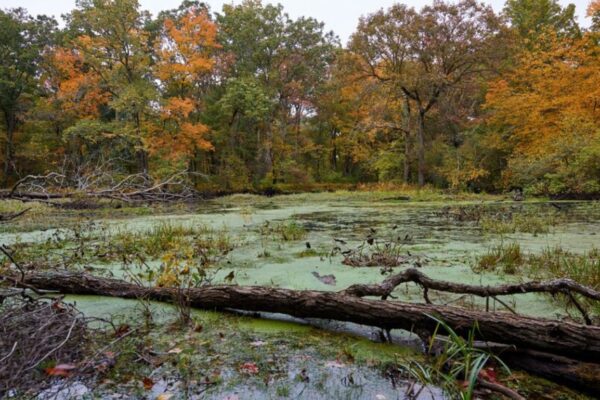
column 286, row 231
column 551, row 263
column 519, row 222
column 457, row 366
column 508, row 257
column 375, row 252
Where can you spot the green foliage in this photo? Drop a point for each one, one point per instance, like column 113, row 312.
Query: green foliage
column 264, row 101
column 459, row 361
column 570, row 165
column 507, row 257
column 532, row 17
column 286, row 231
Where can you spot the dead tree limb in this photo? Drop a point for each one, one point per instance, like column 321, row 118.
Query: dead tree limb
column 132, row 188
column 5, row 217
column 385, row 289
column 579, row 342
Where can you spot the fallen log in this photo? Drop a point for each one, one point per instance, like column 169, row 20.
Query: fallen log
column 575, row 341
column 582, row 376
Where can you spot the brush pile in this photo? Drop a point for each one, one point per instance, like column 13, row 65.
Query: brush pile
column 38, row 338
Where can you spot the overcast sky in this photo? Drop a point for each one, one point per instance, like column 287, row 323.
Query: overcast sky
column 341, row 16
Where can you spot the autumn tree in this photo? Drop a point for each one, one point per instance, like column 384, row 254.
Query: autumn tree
column 110, row 38
column 186, row 56
column 423, row 55
column 548, row 107
column 22, row 43
column 284, row 62
column 593, row 11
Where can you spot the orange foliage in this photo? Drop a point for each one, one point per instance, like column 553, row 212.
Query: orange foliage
column 186, row 55
column 76, row 92
column 593, row 8
column 555, row 82
column 186, row 58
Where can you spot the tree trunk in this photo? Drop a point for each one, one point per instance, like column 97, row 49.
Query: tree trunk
column 10, row 124
column 421, row 147
column 568, row 339
column 562, row 370
column 406, row 131
column 141, row 154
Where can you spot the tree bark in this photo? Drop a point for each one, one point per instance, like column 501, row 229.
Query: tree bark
column 577, row 375
column 406, row 131
column 10, row 124
column 421, row 147
column 568, row 339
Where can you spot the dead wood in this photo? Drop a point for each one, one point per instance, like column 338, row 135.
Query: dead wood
column 385, row 289
column 33, row 335
column 5, row 217
column 575, row 341
column 134, row 188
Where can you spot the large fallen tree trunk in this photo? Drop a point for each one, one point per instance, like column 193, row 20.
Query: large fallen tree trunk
column 572, row 340
column 561, row 351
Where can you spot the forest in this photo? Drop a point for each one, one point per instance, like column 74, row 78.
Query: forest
column 249, row 100
column 235, row 204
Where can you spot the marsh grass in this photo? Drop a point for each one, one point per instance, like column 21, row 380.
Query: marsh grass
column 286, row 231
column 166, row 237
column 552, row 263
column 519, row 222
column 507, row 257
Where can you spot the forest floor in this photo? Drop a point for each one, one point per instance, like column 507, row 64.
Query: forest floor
column 303, row 241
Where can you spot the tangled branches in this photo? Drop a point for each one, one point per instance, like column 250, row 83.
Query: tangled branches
column 131, row 188
column 35, row 335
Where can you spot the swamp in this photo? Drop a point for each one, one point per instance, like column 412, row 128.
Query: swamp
column 341, row 199
column 324, row 242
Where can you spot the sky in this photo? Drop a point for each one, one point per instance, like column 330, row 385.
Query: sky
column 340, row 16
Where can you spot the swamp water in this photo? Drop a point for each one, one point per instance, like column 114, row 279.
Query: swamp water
column 297, row 242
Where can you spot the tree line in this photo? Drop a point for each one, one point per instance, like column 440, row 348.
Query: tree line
column 452, row 95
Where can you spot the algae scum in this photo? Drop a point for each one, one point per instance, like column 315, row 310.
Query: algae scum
column 296, row 242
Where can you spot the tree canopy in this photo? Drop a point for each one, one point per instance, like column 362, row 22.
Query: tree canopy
column 452, row 95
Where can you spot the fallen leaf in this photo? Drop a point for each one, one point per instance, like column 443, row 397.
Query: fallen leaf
column 175, row 350
column 64, row 370
column 249, row 368
column 122, row 330
column 489, row 374
column 164, row 396
column 148, row 383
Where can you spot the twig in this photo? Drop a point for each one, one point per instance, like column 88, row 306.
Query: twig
column 9, row 354
column 16, row 264
column 503, row 390
column 584, row 314
column 57, row 347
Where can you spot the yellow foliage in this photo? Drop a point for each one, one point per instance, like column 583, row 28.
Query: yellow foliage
column 556, row 81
